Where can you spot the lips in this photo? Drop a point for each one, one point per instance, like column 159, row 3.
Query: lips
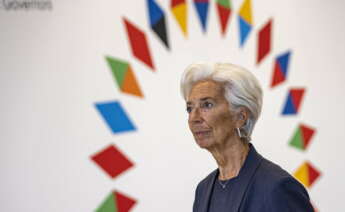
column 202, row 133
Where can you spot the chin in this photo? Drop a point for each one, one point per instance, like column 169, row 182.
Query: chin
column 204, row 143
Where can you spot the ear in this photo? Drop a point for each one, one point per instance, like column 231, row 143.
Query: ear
column 242, row 116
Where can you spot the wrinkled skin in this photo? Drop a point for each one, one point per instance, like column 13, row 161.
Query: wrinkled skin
column 210, row 120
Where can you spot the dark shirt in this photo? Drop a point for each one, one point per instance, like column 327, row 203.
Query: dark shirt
column 220, row 195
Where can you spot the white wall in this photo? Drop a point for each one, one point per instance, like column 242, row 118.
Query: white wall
column 52, row 72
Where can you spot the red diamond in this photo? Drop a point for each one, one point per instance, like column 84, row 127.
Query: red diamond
column 297, row 94
column 224, row 15
column 112, row 161
column 313, row 173
column 278, row 76
column 139, row 45
column 124, row 203
column 264, row 41
column 307, row 133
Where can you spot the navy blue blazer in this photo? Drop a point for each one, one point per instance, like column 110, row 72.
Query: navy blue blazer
column 262, row 186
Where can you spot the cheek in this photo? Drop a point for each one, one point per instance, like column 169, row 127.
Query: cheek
column 222, row 124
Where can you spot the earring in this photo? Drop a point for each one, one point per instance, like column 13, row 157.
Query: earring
column 239, row 132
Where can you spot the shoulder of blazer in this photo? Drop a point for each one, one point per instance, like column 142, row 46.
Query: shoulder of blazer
column 287, row 194
column 269, row 174
column 209, row 179
column 203, row 192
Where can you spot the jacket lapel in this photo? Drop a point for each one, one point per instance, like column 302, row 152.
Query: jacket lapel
column 209, row 187
column 244, row 178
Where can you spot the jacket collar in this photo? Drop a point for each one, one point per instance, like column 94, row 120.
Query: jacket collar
column 243, row 180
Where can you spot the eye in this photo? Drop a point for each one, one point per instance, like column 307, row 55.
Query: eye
column 189, row 109
column 207, row 105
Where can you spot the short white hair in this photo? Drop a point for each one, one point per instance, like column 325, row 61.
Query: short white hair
column 241, row 88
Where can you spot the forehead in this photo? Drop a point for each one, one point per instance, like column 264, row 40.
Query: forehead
column 205, row 89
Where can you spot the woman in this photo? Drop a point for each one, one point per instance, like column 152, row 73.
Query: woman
column 224, row 102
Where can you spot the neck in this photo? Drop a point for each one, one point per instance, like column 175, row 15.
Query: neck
column 230, row 158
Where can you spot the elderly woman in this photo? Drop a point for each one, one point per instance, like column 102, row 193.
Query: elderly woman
column 224, row 102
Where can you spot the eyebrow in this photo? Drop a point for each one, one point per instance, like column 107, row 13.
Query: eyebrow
column 202, row 99
column 206, row 98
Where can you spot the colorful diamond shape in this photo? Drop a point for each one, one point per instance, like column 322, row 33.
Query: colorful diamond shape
column 307, row 174
column 157, row 21
column 264, row 41
column 246, row 11
column 281, row 67
column 139, row 44
column 201, row 7
column 116, row 202
column 224, row 13
column 115, row 116
column 302, row 137
column 245, row 21
column 179, row 9
column 124, row 76
column 293, row 101
column 112, row 161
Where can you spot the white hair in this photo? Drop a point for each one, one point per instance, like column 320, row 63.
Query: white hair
column 241, row 88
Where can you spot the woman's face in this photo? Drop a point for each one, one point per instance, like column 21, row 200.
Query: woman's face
column 210, row 119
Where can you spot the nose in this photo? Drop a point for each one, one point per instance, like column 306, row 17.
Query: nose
column 195, row 116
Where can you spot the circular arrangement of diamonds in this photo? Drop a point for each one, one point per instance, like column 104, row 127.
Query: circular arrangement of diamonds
column 113, row 161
